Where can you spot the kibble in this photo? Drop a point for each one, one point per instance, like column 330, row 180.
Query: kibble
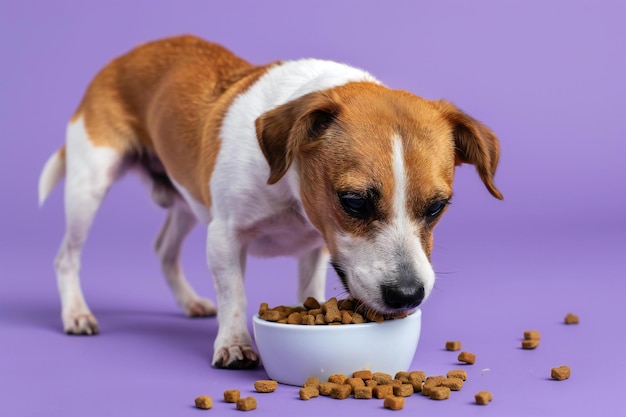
column 231, row 395
column 204, row 402
column 294, row 318
column 440, row 393
column 453, row 345
column 457, row 373
column 341, row 392
column 455, row 384
column 311, row 303
column 467, row 357
column 363, row 393
column 355, row 382
column 265, row 385
column 561, row 373
column 381, row 378
column 403, row 390
column 326, row 388
column 530, row 343
column 394, row 403
column 483, row 397
column 382, row 391
column 364, row 375
column 337, row 378
column 532, row 335
column 332, row 312
column 246, row 404
column 306, row 393
column 313, row 382
column 571, row 319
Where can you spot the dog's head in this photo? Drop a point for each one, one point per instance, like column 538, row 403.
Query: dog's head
column 375, row 169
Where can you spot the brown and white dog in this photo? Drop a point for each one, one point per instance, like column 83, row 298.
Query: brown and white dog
column 308, row 158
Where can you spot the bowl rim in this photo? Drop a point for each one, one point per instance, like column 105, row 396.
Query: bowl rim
column 301, row 327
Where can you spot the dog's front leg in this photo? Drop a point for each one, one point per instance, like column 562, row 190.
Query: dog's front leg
column 312, row 268
column 227, row 259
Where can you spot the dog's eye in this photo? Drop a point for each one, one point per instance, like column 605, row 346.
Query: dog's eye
column 435, row 209
column 355, row 205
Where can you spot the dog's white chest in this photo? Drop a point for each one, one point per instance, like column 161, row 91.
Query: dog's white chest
column 285, row 233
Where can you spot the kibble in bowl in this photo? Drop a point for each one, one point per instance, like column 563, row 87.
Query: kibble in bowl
column 291, row 353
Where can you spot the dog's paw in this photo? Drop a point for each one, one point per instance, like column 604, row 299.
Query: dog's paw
column 236, row 357
column 200, row 307
column 83, row 324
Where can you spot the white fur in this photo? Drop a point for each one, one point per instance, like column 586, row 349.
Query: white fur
column 248, row 215
column 53, row 171
column 90, row 172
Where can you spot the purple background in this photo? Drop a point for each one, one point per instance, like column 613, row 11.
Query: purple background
column 548, row 77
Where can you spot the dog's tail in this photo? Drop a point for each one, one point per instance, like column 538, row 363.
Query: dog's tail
column 51, row 174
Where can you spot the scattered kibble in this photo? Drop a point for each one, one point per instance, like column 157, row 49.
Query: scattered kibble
column 204, row 402
column 466, row 357
column 561, row 373
column 265, row 385
column 231, row 395
column 246, row 404
column 483, row 397
column 571, row 319
column 453, row 345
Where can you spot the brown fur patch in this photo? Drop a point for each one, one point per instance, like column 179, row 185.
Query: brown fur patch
column 168, row 97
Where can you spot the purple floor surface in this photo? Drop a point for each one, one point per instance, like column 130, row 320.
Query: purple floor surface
column 548, row 77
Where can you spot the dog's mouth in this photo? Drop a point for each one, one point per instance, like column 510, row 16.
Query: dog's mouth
column 366, row 309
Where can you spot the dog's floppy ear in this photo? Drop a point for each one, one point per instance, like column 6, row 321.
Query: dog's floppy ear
column 474, row 144
column 282, row 131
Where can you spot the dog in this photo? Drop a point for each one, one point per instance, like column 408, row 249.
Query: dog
column 307, row 158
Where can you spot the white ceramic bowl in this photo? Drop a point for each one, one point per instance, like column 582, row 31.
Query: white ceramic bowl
column 292, row 353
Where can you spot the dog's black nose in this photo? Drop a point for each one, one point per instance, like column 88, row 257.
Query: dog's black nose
column 402, row 297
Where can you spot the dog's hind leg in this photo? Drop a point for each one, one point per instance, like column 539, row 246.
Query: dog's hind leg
column 90, row 171
column 180, row 221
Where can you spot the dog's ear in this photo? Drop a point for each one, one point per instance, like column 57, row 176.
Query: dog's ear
column 474, row 144
column 284, row 130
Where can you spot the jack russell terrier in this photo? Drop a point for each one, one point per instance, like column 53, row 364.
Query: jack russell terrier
column 308, row 158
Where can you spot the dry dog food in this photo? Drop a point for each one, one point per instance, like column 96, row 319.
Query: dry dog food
column 403, row 390
column 332, row 312
column 363, row 393
column 326, row 388
column 265, row 385
column 231, row 395
column 571, row 319
column 561, row 373
column 337, row 378
column 341, row 392
column 381, row 378
column 306, row 393
column 530, row 343
column 531, row 339
column 453, row 345
column 455, row 384
column 355, row 382
column 532, row 335
column 394, row 403
column 483, row 397
column 204, row 402
column 246, row 404
column 364, row 375
column 312, row 382
column 457, row 373
column 467, row 357
column 439, row 393
column 382, row 391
